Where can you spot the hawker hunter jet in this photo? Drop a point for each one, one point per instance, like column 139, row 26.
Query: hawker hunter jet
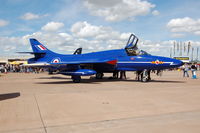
column 76, row 65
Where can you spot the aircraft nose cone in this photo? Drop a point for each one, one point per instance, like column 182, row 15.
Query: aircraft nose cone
column 177, row 63
column 181, row 63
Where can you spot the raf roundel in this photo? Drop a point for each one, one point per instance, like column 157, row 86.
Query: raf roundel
column 157, row 62
column 55, row 61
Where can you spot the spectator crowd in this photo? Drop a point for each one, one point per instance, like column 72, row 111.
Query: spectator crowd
column 18, row 69
column 187, row 67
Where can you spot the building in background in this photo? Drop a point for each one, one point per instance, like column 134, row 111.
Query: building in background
column 185, row 59
column 185, row 52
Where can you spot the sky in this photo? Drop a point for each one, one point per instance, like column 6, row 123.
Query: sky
column 96, row 25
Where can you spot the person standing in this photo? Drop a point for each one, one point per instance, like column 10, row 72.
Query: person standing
column 116, row 74
column 185, row 70
column 122, row 74
column 193, row 69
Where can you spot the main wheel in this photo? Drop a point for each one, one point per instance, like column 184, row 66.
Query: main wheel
column 99, row 75
column 76, row 79
column 50, row 72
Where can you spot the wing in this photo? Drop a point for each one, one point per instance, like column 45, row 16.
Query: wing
column 109, row 61
column 30, row 53
column 46, row 64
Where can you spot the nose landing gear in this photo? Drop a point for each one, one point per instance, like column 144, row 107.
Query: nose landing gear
column 143, row 76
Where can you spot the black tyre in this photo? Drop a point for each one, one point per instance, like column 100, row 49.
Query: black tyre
column 76, row 79
column 99, row 75
column 144, row 79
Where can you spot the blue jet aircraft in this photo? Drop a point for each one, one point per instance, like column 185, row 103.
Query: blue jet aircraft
column 76, row 65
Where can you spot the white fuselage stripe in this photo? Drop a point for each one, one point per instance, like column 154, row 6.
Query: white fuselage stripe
column 37, row 64
column 142, row 62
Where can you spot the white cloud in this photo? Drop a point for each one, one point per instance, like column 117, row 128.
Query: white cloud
column 125, row 36
column 155, row 12
column 87, row 30
column 184, row 25
column 52, row 26
column 66, row 36
column 9, row 44
column 30, row 16
column 3, row 23
column 102, row 39
column 178, row 35
column 9, row 48
column 84, row 29
column 117, row 10
column 156, row 48
column 106, row 38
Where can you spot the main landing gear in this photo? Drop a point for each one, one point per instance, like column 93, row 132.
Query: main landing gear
column 99, row 75
column 76, row 79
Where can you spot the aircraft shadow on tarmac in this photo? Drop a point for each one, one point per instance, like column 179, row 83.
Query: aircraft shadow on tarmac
column 106, row 79
column 9, row 96
column 167, row 81
column 54, row 77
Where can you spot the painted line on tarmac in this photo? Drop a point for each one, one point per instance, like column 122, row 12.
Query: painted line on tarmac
column 40, row 114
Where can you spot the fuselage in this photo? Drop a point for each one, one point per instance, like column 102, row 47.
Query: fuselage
column 123, row 61
column 77, row 65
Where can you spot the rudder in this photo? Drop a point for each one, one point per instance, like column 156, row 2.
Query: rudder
column 39, row 50
column 37, row 47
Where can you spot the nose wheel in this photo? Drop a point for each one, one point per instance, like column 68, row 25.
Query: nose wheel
column 144, row 76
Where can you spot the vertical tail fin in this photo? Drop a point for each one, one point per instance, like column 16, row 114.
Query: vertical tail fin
column 37, row 47
column 39, row 50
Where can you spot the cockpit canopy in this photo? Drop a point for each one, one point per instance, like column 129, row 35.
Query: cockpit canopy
column 131, row 47
column 142, row 52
